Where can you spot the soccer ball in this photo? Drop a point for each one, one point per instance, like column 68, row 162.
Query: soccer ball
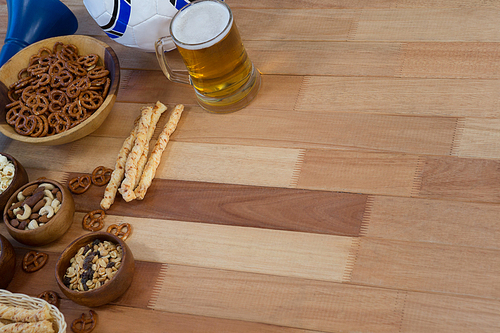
column 135, row 23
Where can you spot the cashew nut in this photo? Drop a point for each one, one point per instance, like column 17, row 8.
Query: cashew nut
column 26, row 214
column 56, row 204
column 20, row 196
column 48, row 194
column 17, row 210
column 47, row 210
column 48, row 201
column 32, row 225
column 47, row 186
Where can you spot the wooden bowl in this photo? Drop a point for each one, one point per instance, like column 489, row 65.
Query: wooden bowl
column 85, row 45
column 20, row 178
column 52, row 230
column 112, row 289
column 7, row 262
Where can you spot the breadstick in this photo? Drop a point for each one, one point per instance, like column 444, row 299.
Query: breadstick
column 44, row 326
column 119, row 171
column 14, row 313
column 158, row 110
column 127, row 187
column 155, row 158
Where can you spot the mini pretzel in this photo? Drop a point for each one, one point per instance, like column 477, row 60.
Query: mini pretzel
column 38, row 104
column 90, row 100
column 88, row 60
column 101, row 175
column 50, row 297
column 33, row 261
column 25, row 125
column 117, row 230
column 84, row 324
column 94, row 220
column 79, row 185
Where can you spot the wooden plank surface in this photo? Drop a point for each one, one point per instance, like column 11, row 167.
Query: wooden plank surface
column 359, row 192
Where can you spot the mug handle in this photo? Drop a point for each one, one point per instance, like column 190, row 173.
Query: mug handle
column 178, row 76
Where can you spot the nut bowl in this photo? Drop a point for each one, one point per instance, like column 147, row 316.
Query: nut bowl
column 54, row 218
column 20, row 178
column 7, row 262
column 9, row 74
column 109, row 290
column 32, row 303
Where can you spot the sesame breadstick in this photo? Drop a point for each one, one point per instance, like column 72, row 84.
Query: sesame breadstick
column 119, row 171
column 127, row 187
column 43, row 326
column 158, row 110
column 14, row 313
column 155, row 158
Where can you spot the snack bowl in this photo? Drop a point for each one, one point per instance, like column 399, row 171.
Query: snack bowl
column 57, row 225
column 33, row 303
column 20, row 178
column 7, row 262
column 86, row 45
column 110, row 290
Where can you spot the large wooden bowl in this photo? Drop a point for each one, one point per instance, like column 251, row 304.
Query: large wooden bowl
column 86, row 45
column 20, row 178
column 52, row 230
column 7, row 262
column 112, row 289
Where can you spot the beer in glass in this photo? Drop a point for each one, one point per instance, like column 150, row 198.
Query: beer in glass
column 223, row 77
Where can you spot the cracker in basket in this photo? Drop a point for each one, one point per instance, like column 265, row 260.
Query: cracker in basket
column 155, row 158
column 44, row 326
column 119, row 171
column 127, row 187
column 15, row 313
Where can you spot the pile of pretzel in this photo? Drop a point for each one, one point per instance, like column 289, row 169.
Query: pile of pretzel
column 57, row 91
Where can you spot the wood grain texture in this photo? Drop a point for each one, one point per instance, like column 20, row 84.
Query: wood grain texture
column 333, row 129
column 428, row 267
column 314, row 305
column 375, row 173
column 478, row 138
column 401, row 96
column 433, row 221
column 475, row 180
column 265, row 251
column 247, row 206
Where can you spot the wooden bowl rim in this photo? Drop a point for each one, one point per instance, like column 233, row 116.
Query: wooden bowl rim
column 72, row 249
column 14, row 196
column 113, row 89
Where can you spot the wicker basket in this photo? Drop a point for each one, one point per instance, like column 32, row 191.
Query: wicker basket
column 32, row 303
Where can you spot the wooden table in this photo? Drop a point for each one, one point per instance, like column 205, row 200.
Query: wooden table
column 360, row 191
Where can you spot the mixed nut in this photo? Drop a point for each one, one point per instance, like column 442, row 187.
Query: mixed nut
column 35, row 206
column 93, row 265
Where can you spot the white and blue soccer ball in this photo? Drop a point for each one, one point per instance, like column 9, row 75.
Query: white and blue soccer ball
column 135, row 23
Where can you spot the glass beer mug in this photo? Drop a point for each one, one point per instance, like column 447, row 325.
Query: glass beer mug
column 218, row 67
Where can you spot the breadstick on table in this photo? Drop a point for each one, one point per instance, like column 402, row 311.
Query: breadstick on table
column 15, row 313
column 127, row 187
column 158, row 110
column 44, row 326
column 119, row 171
column 155, row 158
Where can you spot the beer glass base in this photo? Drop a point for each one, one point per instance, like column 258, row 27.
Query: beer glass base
column 237, row 101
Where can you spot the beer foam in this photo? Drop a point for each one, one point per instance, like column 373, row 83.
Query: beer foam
column 202, row 24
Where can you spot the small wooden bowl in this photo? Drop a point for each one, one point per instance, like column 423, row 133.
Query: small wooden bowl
column 52, row 230
column 85, row 45
column 20, row 178
column 112, row 289
column 7, row 262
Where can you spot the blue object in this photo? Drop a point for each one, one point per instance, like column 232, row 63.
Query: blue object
column 30, row 21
